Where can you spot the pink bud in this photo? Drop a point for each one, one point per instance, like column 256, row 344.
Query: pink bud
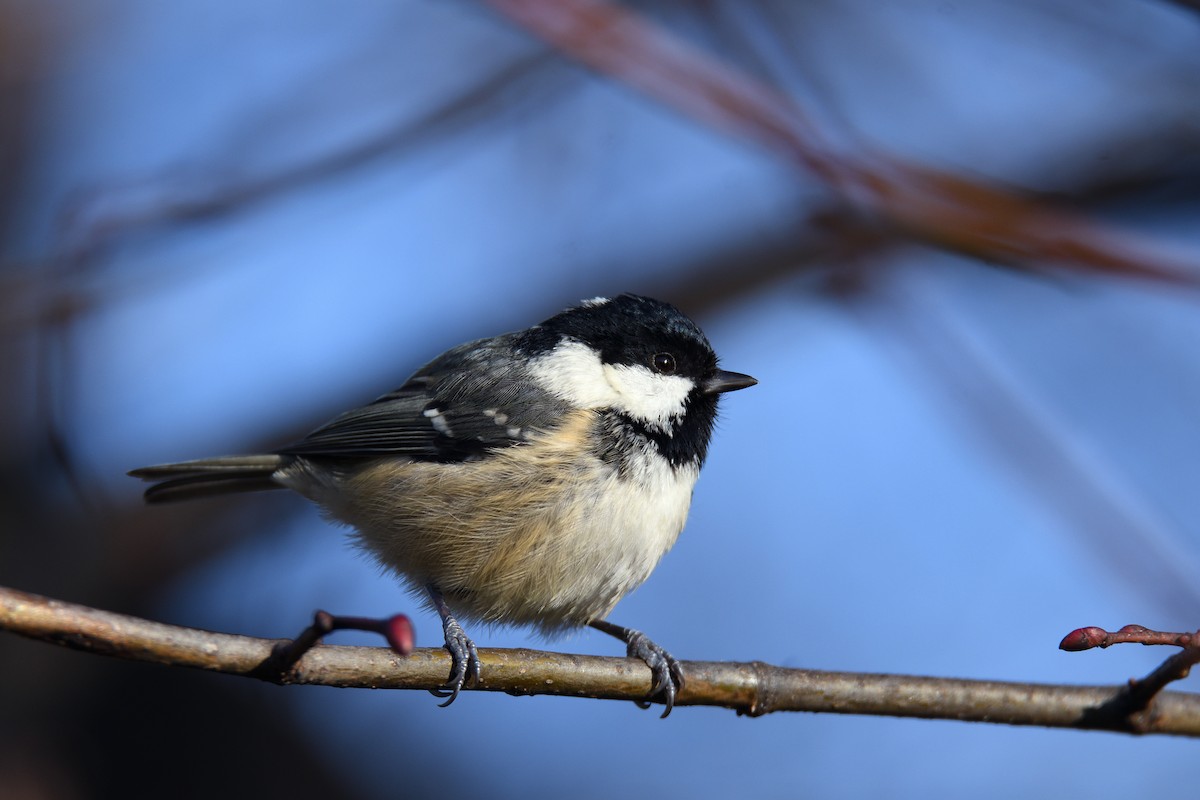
column 1083, row 639
column 399, row 632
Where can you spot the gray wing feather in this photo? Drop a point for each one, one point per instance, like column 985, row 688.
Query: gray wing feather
column 469, row 400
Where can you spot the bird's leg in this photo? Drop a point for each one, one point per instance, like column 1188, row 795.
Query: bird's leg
column 464, row 666
column 397, row 629
column 665, row 669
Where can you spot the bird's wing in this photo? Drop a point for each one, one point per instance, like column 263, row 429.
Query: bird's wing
column 456, row 408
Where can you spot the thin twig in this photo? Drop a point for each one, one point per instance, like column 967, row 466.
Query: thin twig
column 1134, row 702
column 1087, row 638
column 749, row 688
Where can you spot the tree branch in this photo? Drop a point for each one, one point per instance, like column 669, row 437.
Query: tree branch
column 1133, row 702
column 975, row 217
column 749, row 688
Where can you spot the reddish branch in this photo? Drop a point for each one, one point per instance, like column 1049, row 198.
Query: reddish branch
column 938, row 207
column 1134, row 702
column 1087, row 638
column 749, row 688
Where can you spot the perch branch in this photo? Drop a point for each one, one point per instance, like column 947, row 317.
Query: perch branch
column 750, row 688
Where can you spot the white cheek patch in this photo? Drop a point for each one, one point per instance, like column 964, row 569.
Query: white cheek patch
column 574, row 372
column 646, row 395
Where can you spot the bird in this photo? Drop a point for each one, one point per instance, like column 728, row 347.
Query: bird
column 532, row 478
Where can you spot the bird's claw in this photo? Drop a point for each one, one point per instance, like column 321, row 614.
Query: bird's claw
column 464, row 658
column 666, row 670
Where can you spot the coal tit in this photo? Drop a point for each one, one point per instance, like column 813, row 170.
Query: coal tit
column 534, row 478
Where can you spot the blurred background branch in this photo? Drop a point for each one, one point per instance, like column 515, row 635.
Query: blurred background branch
column 929, row 205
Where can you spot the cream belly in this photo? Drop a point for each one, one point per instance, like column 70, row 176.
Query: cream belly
column 543, row 534
column 621, row 532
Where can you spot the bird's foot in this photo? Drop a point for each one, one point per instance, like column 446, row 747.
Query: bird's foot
column 665, row 669
column 464, row 658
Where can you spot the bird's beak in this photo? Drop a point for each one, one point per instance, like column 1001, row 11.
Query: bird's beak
column 724, row 381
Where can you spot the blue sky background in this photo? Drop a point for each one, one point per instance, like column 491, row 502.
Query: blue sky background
column 940, row 474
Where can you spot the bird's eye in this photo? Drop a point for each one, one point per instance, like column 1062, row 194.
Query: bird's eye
column 664, row 363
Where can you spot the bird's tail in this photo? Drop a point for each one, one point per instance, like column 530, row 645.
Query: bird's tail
column 209, row 476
